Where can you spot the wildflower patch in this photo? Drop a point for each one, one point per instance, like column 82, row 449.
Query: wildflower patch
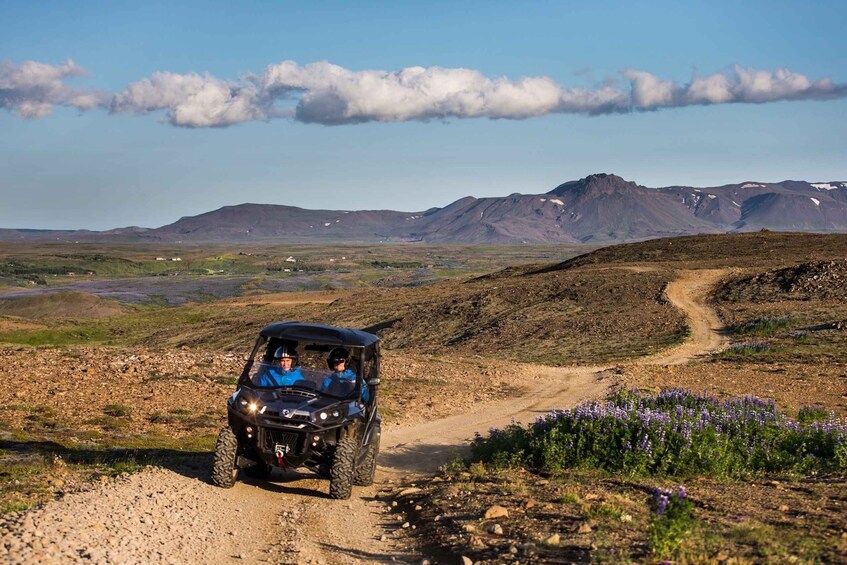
column 674, row 432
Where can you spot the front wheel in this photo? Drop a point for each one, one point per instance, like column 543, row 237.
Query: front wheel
column 341, row 472
column 364, row 475
column 224, row 470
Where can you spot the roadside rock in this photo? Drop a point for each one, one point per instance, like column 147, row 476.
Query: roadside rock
column 496, row 512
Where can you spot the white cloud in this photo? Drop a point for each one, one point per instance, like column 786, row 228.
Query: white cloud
column 649, row 92
column 31, row 89
column 737, row 85
column 334, row 95
column 329, row 94
column 192, row 100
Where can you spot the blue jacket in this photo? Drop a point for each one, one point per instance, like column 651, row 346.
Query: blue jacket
column 275, row 376
column 346, row 375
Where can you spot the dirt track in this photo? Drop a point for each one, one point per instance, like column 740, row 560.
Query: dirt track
column 168, row 517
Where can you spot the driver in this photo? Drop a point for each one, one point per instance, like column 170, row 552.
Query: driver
column 283, row 372
column 337, row 360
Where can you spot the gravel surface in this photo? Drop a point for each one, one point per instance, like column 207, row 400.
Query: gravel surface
column 155, row 516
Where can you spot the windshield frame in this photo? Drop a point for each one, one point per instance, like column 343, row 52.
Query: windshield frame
column 260, row 360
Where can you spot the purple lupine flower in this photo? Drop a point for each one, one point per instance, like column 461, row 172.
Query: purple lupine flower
column 662, row 505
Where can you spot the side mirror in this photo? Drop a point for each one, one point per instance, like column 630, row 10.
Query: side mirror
column 373, row 382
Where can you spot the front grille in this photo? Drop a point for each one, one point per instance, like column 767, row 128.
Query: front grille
column 270, row 438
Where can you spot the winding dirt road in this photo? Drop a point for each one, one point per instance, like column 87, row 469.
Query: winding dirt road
column 167, row 516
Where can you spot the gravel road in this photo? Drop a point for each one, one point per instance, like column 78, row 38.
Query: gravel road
column 174, row 516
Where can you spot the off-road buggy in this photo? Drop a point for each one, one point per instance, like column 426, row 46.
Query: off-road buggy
column 315, row 421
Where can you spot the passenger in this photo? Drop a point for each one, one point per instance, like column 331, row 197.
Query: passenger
column 341, row 378
column 283, row 372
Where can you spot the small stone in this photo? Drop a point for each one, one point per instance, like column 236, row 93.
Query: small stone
column 393, row 504
column 383, row 537
column 466, row 560
column 530, row 504
column 783, row 508
column 584, row 529
column 407, row 491
column 470, row 528
column 552, row 540
column 406, row 525
column 592, row 496
column 496, row 529
column 496, row 512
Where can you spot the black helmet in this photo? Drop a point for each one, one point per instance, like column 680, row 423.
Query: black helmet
column 286, row 350
column 336, row 355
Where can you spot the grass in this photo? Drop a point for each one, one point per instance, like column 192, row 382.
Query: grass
column 765, row 327
column 117, row 410
column 809, row 414
column 753, row 349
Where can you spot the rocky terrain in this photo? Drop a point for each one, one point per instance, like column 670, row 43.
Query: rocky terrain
column 65, row 434
column 811, row 280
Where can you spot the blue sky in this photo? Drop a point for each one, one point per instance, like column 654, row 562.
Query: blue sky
column 121, row 145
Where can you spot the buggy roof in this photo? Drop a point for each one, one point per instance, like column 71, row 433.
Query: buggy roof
column 319, row 333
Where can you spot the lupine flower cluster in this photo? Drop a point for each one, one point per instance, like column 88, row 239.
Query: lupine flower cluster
column 672, row 433
column 662, row 498
column 671, row 520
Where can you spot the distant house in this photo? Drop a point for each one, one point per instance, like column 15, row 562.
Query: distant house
column 176, row 258
column 160, row 259
column 291, row 260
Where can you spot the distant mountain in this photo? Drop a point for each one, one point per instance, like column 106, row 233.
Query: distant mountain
column 599, row 208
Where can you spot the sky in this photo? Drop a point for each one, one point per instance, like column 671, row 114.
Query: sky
column 116, row 114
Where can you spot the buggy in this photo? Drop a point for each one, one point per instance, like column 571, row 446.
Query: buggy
column 330, row 427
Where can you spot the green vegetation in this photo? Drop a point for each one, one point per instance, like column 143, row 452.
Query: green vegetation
column 757, row 350
column 809, row 414
column 672, row 433
column 117, row 410
column 51, row 263
column 671, row 521
column 767, row 326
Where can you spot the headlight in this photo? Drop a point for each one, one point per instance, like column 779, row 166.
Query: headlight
column 250, row 406
column 329, row 416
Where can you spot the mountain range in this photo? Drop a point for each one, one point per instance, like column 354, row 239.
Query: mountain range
column 599, row 208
